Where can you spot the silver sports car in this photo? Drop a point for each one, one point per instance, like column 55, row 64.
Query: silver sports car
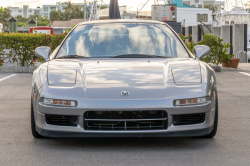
column 123, row 78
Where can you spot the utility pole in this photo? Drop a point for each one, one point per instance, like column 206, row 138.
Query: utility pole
column 85, row 10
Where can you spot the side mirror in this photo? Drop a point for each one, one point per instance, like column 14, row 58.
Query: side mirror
column 43, row 52
column 201, row 51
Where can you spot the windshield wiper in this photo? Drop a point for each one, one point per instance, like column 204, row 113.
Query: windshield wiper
column 71, row 56
column 139, row 56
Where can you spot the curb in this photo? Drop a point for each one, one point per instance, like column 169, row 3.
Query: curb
column 220, row 69
column 230, row 69
column 216, row 68
column 17, row 69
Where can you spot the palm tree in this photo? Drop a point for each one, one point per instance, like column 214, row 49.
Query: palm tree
column 68, row 8
column 62, row 16
column 76, row 11
column 4, row 16
column 54, row 16
column 1, row 12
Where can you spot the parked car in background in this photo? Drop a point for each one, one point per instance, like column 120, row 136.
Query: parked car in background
column 123, row 78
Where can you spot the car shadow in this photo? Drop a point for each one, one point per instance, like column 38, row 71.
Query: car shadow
column 123, row 144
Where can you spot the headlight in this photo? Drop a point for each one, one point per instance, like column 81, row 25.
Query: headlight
column 61, row 77
column 189, row 76
column 57, row 102
column 190, row 101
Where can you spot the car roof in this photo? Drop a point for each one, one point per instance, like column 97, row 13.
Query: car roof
column 122, row 21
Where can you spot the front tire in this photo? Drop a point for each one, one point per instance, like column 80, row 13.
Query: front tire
column 33, row 124
column 214, row 131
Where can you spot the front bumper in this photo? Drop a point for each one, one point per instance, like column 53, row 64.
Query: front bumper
column 172, row 131
column 189, row 133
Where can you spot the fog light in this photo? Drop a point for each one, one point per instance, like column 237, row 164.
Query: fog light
column 190, row 101
column 57, row 102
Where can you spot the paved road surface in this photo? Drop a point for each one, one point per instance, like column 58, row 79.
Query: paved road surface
column 231, row 146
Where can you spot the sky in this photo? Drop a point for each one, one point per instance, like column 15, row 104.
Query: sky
column 131, row 4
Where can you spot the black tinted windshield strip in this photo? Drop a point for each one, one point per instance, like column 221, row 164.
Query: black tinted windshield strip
column 123, row 22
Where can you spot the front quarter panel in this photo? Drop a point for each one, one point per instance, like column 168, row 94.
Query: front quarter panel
column 40, row 75
column 207, row 73
column 209, row 79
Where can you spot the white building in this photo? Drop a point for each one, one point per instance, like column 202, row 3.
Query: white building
column 24, row 11
column 60, row 6
column 192, row 16
column 220, row 5
column 47, row 9
column 198, row 3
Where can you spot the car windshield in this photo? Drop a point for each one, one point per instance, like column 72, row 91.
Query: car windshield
column 121, row 40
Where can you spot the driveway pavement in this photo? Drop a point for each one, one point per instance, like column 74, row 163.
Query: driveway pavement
column 231, row 146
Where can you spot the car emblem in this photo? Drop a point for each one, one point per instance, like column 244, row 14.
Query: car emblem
column 125, row 93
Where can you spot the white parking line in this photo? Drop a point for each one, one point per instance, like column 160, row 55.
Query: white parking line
column 5, row 78
column 245, row 73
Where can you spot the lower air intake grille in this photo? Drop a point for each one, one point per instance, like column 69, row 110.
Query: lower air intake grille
column 61, row 120
column 125, row 120
column 189, row 119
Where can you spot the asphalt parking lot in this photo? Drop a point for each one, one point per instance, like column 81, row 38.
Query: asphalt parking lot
column 231, row 145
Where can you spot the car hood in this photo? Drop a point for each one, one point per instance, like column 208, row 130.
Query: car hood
column 124, row 71
column 107, row 78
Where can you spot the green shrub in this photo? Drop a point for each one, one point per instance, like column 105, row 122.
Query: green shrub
column 22, row 46
column 219, row 49
column 189, row 45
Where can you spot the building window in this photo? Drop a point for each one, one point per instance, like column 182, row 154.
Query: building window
column 201, row 17
column 19, row 11
column 46, row 15
column 193, row 5
column 10, row 11
column 30, row 11
column 37, row 12
column 199, row 6
column 53, row 8
column 46, row 9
